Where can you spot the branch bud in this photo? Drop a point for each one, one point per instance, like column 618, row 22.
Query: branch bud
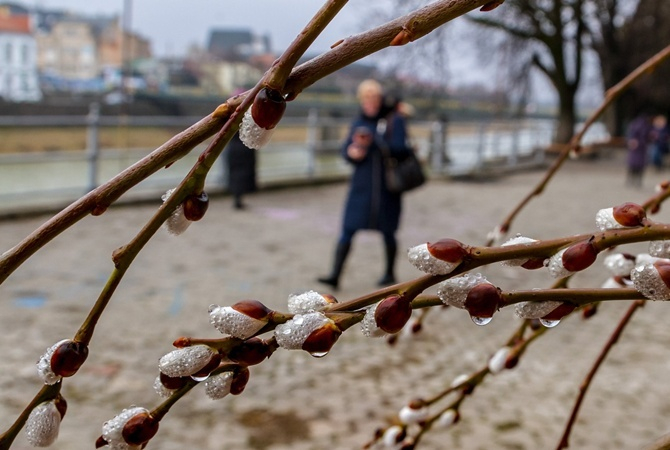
column 454, row 291
column 186, row 361
column 482, row 302
column 240, row 380
column 308, row 302
column 392, row 313
column 312, row 332
column 439, row 258
column 177, row 223
column 260, row 120
column 653, row 280
column 579, row 256
column 43, row 423
column 498, row 361
column 132, row 427
column 629, row 214
column 241, row 320
column 517, row 240
column 250, row 352
column 195, row 206
column 415, row 412
column 63, row 359
column 448, row 418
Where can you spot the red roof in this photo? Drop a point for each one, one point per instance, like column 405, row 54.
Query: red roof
column 15, row 24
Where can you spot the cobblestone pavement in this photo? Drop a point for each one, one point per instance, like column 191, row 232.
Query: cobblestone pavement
column 293, row 401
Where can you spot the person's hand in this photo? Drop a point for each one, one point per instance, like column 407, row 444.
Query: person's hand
column 362, row 139
column 356, row 152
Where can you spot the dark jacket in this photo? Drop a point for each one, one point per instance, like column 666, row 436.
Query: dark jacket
column 370, row 205
column 241, row 165
column 638, row 135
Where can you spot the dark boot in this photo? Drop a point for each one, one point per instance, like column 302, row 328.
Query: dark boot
column 389, row 275
column 341, row 253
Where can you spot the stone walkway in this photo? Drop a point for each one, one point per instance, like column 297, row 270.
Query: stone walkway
column 293, row 401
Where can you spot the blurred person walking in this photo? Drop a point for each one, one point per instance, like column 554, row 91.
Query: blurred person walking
column 638, row 137
column 370, row 205
column 659, row 138
column 241, row 169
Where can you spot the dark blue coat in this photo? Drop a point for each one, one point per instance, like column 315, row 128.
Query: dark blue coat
column 370, row 206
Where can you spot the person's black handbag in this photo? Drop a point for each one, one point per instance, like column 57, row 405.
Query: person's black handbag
column 403, row 175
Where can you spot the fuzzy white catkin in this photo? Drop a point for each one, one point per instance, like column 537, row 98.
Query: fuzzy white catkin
column 409, row 415
column 619, row 265
column 112, row 430
column 454, row 291
column 230, row 321
column 535, row 310
column 44, row 364
column 43, row 424
column 185, row 361
column 252, row 135
column 649, row 283
column 556, row 267
column 605, row 220
column 497, row 362
column 420, row 257
column 659, row 249
column 292, row 334
column 306, row 302
column 516, row 240
column 177, row 223
column 369, row 325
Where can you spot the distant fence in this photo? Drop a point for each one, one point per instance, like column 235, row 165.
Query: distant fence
column 307, row 152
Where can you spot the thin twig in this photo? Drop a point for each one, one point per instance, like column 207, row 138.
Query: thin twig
column 596, row 365
column 612, row 94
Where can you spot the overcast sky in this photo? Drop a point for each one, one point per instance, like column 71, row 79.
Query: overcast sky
column 173, row 25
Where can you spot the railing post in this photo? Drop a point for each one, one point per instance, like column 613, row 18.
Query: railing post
column 437, row 146
column 513, row 158
column 92, row 144
column 312, row 129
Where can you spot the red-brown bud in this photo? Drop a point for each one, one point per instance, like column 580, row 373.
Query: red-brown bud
column 182, row 342
column 590, row 310
column 392, row 339
column 253, row 309
column 482, row 301
column 195, row 206
column 240, row 380
column 268, row 108
column 533, row 263
column 209, row 368
column 100, row 442
column 321, row 340
column 663, row 268
column 449, row 250
column 140, row 429
column 392, row 313
column 561, row 311
column 490, row 6
column 512, row 361
column 68, row 358
column 579, row 256
column 61, row 405
column 250, row 352
column 629, row 214
column 172, row 383
column 403, row 37
column 417, row 327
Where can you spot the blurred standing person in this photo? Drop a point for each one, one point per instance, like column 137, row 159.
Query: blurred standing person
column 637, row 141
column 659, row 137
column 370, row 205
column 241, row 166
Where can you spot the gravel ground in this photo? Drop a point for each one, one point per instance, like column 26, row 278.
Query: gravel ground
column 293, row 401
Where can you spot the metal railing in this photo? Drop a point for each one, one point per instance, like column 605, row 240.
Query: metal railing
column 35, row 181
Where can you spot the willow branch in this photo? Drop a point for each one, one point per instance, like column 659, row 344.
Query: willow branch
column 601, row 358
column 48, row 392
column 96, row 201
column 610, row 96
column 281, row 70
column 415, row 25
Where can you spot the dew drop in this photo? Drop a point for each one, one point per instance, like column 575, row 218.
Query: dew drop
column 319, row 354
column 199, row 379
column 481, row 321
column 549, row 323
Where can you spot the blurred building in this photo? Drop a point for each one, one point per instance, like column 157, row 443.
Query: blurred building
column 18, row 60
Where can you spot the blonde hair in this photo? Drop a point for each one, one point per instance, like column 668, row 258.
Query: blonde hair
column 368, row 88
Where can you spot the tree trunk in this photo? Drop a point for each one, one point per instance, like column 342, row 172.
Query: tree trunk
column 566, row 116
